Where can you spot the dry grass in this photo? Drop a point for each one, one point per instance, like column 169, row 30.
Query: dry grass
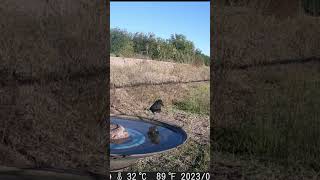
column 35, row 45
column 266, row 114
column 126, row 71
column 247, row 36
column 57, row 125
column 230, row 166
column 53, row 123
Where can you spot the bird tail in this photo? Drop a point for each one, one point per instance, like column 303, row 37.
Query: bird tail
column 149, row 110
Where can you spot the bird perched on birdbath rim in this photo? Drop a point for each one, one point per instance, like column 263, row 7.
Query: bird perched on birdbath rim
column 156, row 107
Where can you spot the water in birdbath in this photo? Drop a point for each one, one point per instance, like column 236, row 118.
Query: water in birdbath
column 145, row 137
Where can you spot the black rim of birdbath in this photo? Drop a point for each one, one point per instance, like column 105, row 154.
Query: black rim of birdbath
column 152, row 121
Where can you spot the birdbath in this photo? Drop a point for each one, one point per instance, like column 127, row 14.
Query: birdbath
column 132, row 138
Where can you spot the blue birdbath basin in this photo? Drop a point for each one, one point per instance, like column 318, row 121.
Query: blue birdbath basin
column 145, row 137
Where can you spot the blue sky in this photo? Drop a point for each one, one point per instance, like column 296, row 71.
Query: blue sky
column 165, row 18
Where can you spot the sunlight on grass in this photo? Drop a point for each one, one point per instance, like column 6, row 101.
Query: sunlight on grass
column 197, row 101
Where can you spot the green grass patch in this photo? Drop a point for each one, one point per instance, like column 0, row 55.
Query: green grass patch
column 197, row 101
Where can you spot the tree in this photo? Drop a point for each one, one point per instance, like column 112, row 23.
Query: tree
column 177, row 48
column 121, row 43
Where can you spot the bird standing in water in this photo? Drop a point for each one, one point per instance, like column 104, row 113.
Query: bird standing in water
column 153, row 135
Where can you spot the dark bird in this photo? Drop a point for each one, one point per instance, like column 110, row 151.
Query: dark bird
column 153, row 135
column 156, row 107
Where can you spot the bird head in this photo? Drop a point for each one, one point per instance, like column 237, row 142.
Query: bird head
column 160, row 102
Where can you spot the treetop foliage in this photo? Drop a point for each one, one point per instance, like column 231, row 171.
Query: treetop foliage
column 140, row 45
